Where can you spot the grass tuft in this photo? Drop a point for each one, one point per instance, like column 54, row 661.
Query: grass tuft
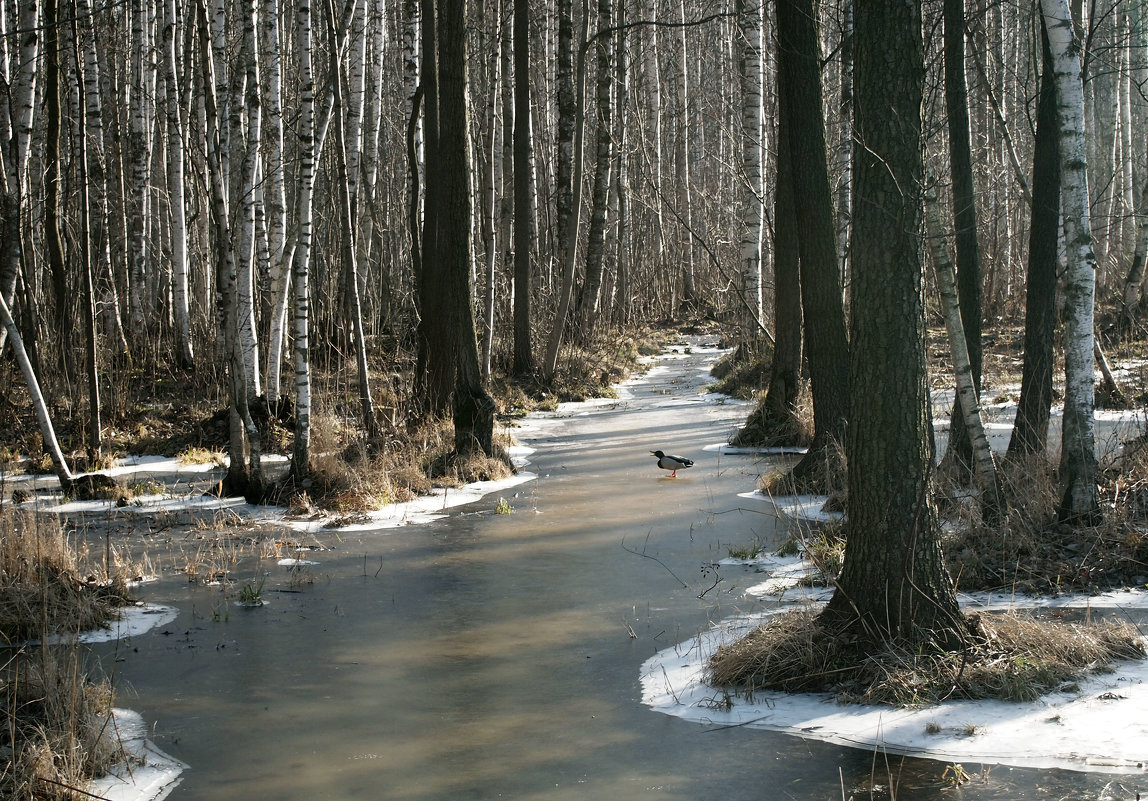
column 1012, row 656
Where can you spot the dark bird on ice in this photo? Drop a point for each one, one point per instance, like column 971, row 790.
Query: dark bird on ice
column 674, row 463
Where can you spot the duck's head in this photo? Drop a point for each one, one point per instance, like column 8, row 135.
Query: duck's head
column 659, row 454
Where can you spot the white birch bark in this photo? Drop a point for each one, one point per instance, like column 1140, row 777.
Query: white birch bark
column 47, row 432
column 375, row 78
column 687, row 140
column 650, row 94
column 245, row 477
column 16, row 115
column 1138, row 68
column 246, row 101
column 139, row 168
column 751, row 207
column 984, row 467
column 275, row 197
column 300, row 456
column 100, row 228
column 176, row 163
column 1078, row 449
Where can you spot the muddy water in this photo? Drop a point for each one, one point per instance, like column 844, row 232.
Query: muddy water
column 494, row 656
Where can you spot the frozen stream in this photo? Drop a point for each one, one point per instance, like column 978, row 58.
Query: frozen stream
column 486, row 656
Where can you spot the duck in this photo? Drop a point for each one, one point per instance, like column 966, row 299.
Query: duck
column 674, row 463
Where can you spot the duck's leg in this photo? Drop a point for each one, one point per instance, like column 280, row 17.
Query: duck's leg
column 674, row 474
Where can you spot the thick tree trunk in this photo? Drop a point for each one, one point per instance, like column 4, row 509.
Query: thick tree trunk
column 826, row 342
column 275, row 202
column 893, row 585
column 53, row 237
column 568, row 230
column 450, row 204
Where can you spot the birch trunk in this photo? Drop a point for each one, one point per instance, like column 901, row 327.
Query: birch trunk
column 176, row 163
column 245, row 140
column 523, row 178
column 275, row 197
column 1078, row 462
column 139, row 168
column 750, row 208
column 346, row 212
column 245, row 478
column 993, row 509
column 301, row 451
column 15, row 133
column 47, row 432
column 622, row 183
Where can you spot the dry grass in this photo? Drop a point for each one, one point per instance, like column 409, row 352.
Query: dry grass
column 348, row 480
column 1010, row 656
column 46, row 587
column 57, row 728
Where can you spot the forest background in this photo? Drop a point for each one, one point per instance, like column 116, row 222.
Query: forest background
column 400, row 205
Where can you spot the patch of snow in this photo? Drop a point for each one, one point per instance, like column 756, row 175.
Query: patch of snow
column 132, row 622
column 148, row 774
column 796, row 507
column 1098, row 726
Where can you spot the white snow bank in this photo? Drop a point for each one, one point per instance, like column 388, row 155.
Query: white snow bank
column 1096, row 725
column 147, row 773
column 1099, row 725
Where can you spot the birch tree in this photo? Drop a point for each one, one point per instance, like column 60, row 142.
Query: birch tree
column 301, row 450
column 523, row 208
column 275, row 200
column 243, row 477
column 750, row 207
column 1078, row 462
column 139, row 148
column 15, row 135
column 175, row 153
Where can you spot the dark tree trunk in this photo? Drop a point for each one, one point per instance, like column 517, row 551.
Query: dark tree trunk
column 893, row 585
column 1030, row 428
column 454, row 376
column 959, row 451
column 435, row 376
column 826, row 342
column 588, row 301
column 53, row 242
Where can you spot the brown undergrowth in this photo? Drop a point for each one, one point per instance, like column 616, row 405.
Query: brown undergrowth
column 1009, row 656
column 57, row 730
